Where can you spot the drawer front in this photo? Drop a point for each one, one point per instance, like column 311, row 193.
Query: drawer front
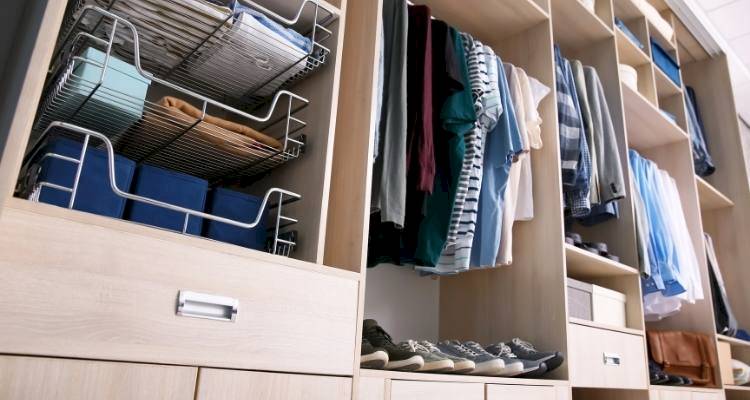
column 411, row 390
column 215, row 384
column 371, row 389
column 707, row 396
column 670, row 395
column 78, row 290
column 32, row 378
column 502, row 392
column 606, row 359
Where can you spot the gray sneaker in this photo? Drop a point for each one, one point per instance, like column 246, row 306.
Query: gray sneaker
column 460, row 365
column 527, row 351
column 486, row 363
column 531, row 368
column 513, row 367
column 433, row 362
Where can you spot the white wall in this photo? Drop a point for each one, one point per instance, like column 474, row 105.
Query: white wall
column 405, row 304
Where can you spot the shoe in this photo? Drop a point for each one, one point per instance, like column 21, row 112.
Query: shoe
column 513, row 366
column 531, row 368
column 526, row 351
column 485, row 363
column 433, row 362
column 398, row 359
column 460, row 365
column 372, row 357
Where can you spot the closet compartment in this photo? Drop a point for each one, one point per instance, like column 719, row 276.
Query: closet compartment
column 210, row 102
column 137, row 294
column 601, row 358
column 631, row 31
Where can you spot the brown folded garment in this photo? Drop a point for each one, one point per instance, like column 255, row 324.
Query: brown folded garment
column 189, row 110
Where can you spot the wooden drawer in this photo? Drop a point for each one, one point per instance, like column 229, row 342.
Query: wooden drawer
column 503, row 392
column 32, row 378
column 685, row 394
column 73, row 288
column 411, row 390
column 215, row 384
column 594, row 354
column 707, row 396
column 371, row 388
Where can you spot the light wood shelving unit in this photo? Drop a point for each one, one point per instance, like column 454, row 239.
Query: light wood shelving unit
column 82, row 293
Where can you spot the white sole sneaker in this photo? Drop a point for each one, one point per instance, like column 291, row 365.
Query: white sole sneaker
column 512, row 369
column 463, row 367
column 489, row 368
column 410, row 364
column 437, row 366
column 376, row 360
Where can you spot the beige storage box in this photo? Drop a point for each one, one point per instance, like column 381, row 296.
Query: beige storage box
column 629, row 76
column 608, row 306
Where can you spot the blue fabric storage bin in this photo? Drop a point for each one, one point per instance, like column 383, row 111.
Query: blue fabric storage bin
column 169, row 187
column 121, row 77
column 239, row 207
column 664, row 61
column 94, row 192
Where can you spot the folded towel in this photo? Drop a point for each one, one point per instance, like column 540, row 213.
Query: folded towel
column 176, row 104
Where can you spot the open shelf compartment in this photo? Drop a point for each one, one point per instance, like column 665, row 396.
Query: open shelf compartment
column 281, row 241
column 239, row 56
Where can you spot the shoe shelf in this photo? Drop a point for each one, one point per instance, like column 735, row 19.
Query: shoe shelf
column 710, row 197
column 737, row 388
column 228, row 56
column 647, row 126
column 592, row 324
column 582, row 264
column 629, row 53
column 281, row 239
column 430, row 377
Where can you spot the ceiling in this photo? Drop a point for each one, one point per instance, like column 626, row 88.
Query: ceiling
column 728, row 21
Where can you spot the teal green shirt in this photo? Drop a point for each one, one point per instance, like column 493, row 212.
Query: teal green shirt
column 458, row 117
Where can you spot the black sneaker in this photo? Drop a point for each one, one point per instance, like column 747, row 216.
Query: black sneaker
column 372, row 357
column 398, row 359
column 526, row 351
column 531, row 368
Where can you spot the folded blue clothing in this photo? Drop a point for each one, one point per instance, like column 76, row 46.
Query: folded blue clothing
column 292, row 36
column 624, row 28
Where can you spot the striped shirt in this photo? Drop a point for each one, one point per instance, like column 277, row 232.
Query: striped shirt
column 483, row 76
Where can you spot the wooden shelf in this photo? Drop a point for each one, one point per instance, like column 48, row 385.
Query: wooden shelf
column 627, row 10
column 694, row 389
column 737, row 388
column 421, row 376
column 484, row 20
column 629, row 52
column 582, row 264
column 710, row 197
column 733, row 341
column 665, row 87
column 667, row 45
column 592, row 324
column 575, row 26
column 647, row 126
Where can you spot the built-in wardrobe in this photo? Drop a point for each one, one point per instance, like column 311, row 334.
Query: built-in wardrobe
column 94, row 306
column 529, row 299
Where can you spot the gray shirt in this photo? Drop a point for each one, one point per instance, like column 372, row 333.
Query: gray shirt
column 389, row 170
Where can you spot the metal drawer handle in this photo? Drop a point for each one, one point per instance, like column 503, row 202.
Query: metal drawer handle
column 207, row 306
column 612, row 359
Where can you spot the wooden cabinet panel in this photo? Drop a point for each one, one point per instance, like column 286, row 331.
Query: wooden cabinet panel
column 411, row 390
column 606, row 359
column 216, row 384
column 708, row 396
column 503, row 392
column 670, row 395
column 26, row 378
column 371, row 389
column 72, row 288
